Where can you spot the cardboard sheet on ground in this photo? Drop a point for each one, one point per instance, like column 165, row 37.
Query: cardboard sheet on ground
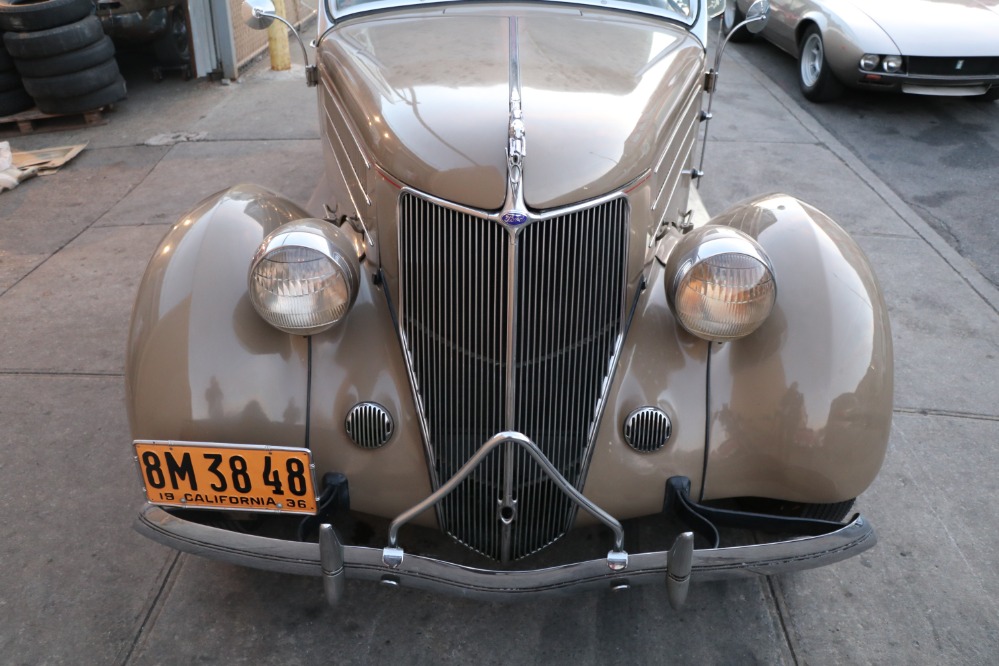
column 18, row 166
column 48, row 160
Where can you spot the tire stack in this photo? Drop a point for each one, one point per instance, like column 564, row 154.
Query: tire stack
column 65, row 61
column 13, row 97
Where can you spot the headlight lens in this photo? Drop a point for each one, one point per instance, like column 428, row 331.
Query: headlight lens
column 893, row 63
column 869, row 61
column 304, row 277
column 720, row 284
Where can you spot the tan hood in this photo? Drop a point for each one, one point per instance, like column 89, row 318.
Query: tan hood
column 430, row 92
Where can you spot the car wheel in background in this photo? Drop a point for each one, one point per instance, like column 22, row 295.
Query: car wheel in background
column 172, row 48
column 29, row 15
column 732, row 17
column 81, row 103
column 66, row 63
column 73, row 84
column 63, row 38
column 818, row 84
column 15, row 101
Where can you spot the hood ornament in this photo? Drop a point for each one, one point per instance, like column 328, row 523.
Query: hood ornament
column 515, row 209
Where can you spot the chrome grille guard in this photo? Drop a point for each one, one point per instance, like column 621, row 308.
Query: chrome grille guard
column 824, row 543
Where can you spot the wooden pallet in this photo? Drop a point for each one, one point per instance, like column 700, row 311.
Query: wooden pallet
column 33, row 120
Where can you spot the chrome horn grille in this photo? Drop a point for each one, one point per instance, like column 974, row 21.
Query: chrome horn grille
column 510, row 331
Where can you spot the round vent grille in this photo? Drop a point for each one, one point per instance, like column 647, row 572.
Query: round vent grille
column 369, row 425
column 647, row 429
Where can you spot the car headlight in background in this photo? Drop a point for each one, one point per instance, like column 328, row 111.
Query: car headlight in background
column 304, row 277
column 868, row 62
column 892, row 64
column 720, row 284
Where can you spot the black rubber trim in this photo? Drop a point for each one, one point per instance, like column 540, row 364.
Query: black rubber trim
column 705, row 520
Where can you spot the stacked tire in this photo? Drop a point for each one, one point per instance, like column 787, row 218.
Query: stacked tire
column 59, row 49
column 13, row 97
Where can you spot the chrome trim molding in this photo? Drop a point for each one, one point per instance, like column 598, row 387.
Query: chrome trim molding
column 426, row 573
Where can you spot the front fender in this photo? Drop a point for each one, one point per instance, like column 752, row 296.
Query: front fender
column 197, row 349
column 801, row 408
column 847, row 34
column 202, row 365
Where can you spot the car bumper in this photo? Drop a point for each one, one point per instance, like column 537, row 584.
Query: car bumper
column 335, row 561
column 919, row 84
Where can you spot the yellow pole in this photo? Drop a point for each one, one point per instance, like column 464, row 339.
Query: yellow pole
column 277, row 41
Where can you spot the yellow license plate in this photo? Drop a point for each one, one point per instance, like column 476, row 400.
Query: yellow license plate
column 239, row 477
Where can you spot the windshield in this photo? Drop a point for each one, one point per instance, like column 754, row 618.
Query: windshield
column 682, row 10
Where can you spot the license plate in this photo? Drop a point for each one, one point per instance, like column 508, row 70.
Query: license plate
column 239, row 477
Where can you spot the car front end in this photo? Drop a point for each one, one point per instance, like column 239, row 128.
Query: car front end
column 506, row 326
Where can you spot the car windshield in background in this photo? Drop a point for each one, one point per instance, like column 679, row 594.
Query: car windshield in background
column 682, row 10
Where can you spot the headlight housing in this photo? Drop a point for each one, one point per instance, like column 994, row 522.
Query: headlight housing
column 304, row 277
column 892, row 64
column 720, row 284
column 869, row 62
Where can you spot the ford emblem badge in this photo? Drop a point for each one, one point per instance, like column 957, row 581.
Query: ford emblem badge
column 514, row 218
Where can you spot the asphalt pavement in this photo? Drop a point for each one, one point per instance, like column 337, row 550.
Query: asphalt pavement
column 78, row 586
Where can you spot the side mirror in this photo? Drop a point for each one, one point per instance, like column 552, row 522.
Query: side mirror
column 756, row 19
column 756, row 16
column 258, row 14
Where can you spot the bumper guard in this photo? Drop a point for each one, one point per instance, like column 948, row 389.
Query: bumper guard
column 823, row 543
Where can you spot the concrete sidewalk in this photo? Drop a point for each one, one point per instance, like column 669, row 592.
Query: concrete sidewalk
column 78, row 586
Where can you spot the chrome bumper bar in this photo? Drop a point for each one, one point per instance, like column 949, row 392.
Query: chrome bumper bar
column 335, row 561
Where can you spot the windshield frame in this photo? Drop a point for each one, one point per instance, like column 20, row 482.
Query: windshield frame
column 335, row 13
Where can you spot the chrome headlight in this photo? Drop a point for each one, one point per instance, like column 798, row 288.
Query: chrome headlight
column 304, row 277
column 720, row 283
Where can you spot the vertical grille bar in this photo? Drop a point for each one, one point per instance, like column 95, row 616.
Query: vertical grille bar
column 568, row 315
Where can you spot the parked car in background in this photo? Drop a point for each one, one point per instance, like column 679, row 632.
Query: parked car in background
column 921, row 47
column 498, row 324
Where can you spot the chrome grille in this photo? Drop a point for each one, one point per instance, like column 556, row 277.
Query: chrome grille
column 563, row 285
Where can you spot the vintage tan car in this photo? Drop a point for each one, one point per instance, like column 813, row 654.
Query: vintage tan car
column 502, row 347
